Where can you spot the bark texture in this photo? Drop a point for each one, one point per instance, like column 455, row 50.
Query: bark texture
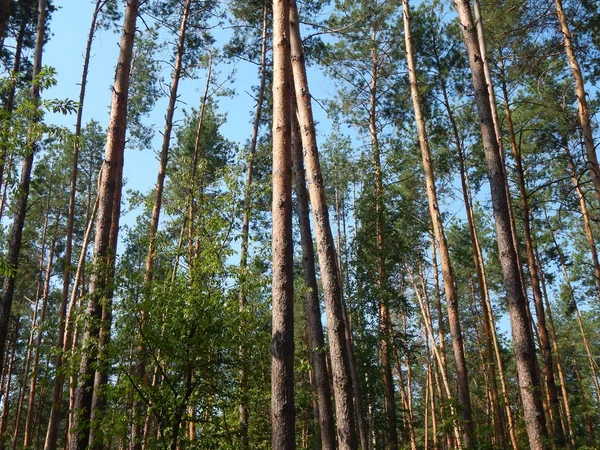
column 282, row 340
column 97, row 327
column 521, row 332
column 330, row 276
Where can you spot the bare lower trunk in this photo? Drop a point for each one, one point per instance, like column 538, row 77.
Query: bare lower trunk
column 105, row 239
column 521, row 331
column 282, row 338
column 316, row 340
column 330, row 276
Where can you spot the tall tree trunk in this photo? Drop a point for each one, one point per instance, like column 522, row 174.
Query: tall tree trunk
column 243, row 406
column 559, row 367
column 587, row 223
column 573, row 306
column 488, row 324
column 106, row 233
column 584, row 112
column 140, row 367
column 59, row 377
column 8, row 376
column 316, row 340
column 544, row 338
column 330, row 276
column 282, row 342
column 16, row 233
column 521, row 331
column 462, row 377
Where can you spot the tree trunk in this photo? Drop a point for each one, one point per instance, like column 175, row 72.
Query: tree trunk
column 29, row 418
column 106, row 234
column 59, row 378
column 544, row 338
column 16, row 233
column 243, row 407
column 330, row 276
column 140, row 367
column 462, row 377
column 282, row 342
column 521, row 331
column 587, row 223
column 584, row 112
column 8, row 376
column 316, row 340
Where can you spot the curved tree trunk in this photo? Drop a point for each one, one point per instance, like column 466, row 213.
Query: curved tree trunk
column 517, row 304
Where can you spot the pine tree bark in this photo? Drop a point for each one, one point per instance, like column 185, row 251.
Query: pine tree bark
column 16, row 233
column 462, row 377
column 107, row 221
column 330, row 276
column 8, row 376
column 282, row 342
column 316, row 340
column 584, row 112
column 521, row 331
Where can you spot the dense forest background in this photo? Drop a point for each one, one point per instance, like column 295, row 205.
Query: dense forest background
column 444, row 294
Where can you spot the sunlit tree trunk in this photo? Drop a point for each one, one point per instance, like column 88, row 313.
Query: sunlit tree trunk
column 330, row 276
column 316, row 340
column 584, row 112
column 462, row 380
column 100, row 289
column 521, row 331
column 282, row 342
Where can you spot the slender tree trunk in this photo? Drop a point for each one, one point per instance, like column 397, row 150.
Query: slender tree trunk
column 575, row 309
column 59, row 378
column 589, row 424
column 16, row 233
column 462, row 377
column 559, row 367
column 587, row 223
column 243, row 407
column 544, row 338
column 106, row 233
column 316, row 340
column 584, row 112
column 330, row 277
column 29, row 418
column 8, row 377
column 521, row 331
column 282, row 342
column 140, row 367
